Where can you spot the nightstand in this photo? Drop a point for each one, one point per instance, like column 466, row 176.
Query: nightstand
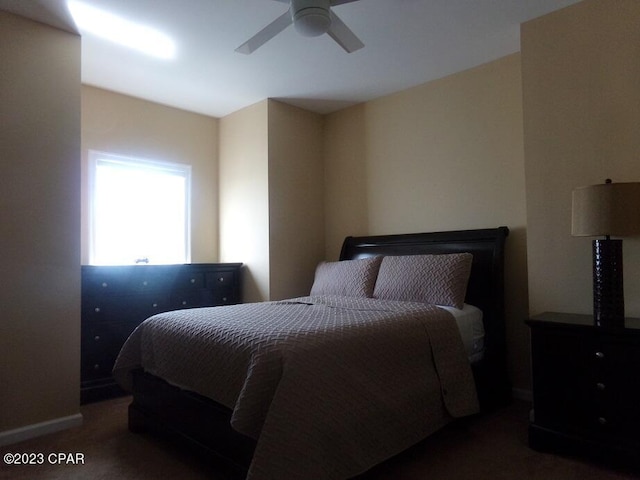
column 586, row 387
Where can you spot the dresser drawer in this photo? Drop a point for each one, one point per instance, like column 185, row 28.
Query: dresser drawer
column 99, row 338
column 189, row 280
column 123, row 308
column 98, row 282
column 145, row 279
column 108, row 281
column 192, row 299
column 100, row 346
column 221, row 279
column 96, row 367
column 225, row 296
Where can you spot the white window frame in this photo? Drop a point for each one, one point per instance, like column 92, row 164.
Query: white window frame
column 95, row 156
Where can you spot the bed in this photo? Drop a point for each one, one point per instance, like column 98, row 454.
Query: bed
column 297, row 399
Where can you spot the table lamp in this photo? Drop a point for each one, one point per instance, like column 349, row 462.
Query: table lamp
column 608, row 209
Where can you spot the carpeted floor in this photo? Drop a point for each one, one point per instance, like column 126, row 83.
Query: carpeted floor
column 490, row 447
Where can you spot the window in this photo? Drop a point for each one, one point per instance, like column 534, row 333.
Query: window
column 139, row 211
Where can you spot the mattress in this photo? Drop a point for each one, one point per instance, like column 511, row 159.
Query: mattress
column 469, row 320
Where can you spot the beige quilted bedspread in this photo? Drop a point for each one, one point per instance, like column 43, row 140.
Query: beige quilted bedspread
column 328, row 386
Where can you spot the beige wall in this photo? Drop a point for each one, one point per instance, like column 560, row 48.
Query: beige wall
column 244, row 197
column 271, row 198
column 296, row 189
column 581, row 96
column 346, row 196
column 129, row 126
column 40, row 222
column 445, row 155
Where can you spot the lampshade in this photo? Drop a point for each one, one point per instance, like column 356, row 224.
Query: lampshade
column 606, row 209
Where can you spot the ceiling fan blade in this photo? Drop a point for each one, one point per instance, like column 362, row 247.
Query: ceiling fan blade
column 343, row 35
column 336, row 2
column 266, row 34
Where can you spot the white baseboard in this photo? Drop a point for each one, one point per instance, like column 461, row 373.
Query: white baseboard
column 10, row 437
column 522, row 394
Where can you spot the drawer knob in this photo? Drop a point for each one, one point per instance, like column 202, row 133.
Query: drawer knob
column 224, row 299
column 155, row 305
column 105, row 284
column 600, row 386
column 184, row 302
column 97, row 338
column 221, row 279
column 97, row 309
column 599, row 355
column 145, row 283
column 96, row 367
column 602, row 420
column 193, row 280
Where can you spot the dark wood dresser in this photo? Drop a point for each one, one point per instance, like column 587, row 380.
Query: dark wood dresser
column 586, row 388
column 116, row 299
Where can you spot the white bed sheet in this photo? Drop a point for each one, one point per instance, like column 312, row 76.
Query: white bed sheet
column 469, row 320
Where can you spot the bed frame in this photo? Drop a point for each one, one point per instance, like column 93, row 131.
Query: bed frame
column 205, row 424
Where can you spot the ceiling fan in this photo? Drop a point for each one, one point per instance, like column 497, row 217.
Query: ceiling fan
column 310, row 18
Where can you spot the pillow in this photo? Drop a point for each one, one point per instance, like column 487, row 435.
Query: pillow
column 436, row 279
column 348, row 278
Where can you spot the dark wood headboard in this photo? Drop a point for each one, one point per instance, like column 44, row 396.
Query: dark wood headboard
column 485, row 289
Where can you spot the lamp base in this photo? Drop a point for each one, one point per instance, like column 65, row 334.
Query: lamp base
column 608, row 289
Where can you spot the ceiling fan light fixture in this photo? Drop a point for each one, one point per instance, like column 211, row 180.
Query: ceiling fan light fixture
column 312, row 21
column 311, row 18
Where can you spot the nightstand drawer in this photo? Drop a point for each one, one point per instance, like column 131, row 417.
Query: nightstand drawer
column 563, row 394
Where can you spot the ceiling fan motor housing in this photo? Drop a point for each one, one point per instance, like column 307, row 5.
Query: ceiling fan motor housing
column 311, row 17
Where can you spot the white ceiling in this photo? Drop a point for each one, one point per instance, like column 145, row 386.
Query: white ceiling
column 407, row 43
